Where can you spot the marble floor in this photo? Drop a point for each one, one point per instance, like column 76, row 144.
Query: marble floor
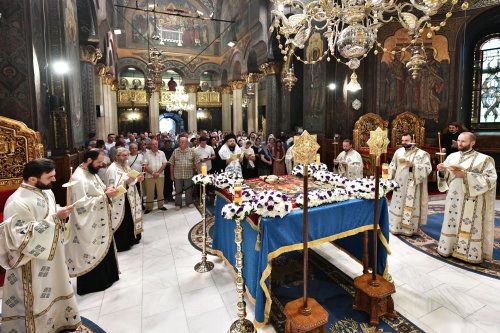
column 159, row 291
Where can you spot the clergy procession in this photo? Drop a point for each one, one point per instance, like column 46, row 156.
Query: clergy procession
column 248, row 166
column 43, row 244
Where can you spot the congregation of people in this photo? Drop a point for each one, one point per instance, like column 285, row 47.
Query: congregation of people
column 123, row 177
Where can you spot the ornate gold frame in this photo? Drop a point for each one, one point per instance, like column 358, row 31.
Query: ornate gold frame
column 362, row 127
column 18, row 145
column 407, row 122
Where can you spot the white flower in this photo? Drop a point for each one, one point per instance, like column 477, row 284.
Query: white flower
column 330, row 178
column 226, row 179
column 321, row 197
column 298, row 170
column 364, row 188
column 200, row 179
column 233, row 211
column 272, row 203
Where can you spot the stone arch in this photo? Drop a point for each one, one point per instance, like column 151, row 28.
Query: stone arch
column 252, row 65
column 132, row 62
column 208, row 67
column 236, row 64
column 182, row 70
column 224, row 77
column 260, row 49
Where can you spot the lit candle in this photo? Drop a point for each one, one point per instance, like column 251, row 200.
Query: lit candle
column 318, row 159
column 203, row 169
column 385, row 171
column 238, row 189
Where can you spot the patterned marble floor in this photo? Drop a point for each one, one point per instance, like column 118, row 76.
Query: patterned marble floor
column 160, row 292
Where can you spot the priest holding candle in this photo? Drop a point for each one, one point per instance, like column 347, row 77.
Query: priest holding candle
column 410, row 168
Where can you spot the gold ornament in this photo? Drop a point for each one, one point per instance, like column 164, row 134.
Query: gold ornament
column 378, row 142
column 305, row 148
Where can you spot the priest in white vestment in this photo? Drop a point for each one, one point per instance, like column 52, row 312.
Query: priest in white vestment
column 126, row 212
column 37, row 293
column 470, row 178
column 90, row 253
column 349, row 161
column 410, row 167
column 231, row 153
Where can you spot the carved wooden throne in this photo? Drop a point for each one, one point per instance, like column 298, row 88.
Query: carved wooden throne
column 361, row 134
column 407, row 122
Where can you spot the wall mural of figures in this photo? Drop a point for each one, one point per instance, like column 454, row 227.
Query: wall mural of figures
column 173, row 31
column 314, row 86
column 427, row 95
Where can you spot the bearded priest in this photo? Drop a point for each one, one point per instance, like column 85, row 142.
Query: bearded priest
column 349, row 161
column 470, row 178
column 90, row 254
column 126, row 211
column 410, row 168
column 37, row 294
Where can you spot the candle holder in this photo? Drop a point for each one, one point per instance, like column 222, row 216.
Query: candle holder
column 241, row 325
column 204, row 265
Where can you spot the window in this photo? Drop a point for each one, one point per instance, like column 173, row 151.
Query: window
column 486, row 99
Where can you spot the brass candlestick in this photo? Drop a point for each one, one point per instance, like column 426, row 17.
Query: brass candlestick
column 204, row 265
column 335, row 150
column 241, row 325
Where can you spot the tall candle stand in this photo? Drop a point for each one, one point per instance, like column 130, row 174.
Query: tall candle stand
column 241, row 325
column 204, row 265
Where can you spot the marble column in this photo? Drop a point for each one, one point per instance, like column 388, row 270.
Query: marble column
column 191, row 90
column 237, row 87
column 271, row 71
column 154, row 112
column 109, row 117
column 226, row 108
column 253, row 107
column 89, row 55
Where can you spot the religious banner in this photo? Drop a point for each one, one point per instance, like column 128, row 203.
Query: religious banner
column 427, row 95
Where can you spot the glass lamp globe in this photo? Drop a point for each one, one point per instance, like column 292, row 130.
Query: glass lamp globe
column 354, row 41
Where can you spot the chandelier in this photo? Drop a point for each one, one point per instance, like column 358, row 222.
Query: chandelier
column 350, row 27
column 156, row 67
column 179, row 101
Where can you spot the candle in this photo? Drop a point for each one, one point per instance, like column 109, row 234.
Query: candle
column 318, row 159
column 68, row 189
column 439, row 141
column 238, row 189
column 203, row 169
column 385, row 171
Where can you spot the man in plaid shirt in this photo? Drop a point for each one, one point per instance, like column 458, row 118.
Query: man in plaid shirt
column 182, row 163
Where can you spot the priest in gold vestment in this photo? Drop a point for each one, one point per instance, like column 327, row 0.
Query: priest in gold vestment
column 470, row 178
column 409, row 167
column 37, row 294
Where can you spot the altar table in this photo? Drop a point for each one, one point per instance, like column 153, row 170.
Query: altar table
column 342, row 222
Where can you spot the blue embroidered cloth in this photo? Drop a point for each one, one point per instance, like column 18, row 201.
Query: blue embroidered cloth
column 342, row 222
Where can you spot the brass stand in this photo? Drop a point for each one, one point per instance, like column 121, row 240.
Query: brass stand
column 205, row 265
column 373, row 292
column 241, row 325
column 305, row 315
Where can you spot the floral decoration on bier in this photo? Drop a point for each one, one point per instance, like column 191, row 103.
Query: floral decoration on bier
column 321, row 197
column 199, row 179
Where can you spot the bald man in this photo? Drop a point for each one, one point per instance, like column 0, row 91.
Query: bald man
column 470, row 179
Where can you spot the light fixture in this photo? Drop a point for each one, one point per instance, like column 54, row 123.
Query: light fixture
column 60, row 67
column 353, row 84
column 350, row 27
column 117, row 31
column 179, row 101
column 151, row 6
column 200, row 13
column 289, row 79
column 332, row 86
column 231, row 43
column 131, row 69
column 211, row 15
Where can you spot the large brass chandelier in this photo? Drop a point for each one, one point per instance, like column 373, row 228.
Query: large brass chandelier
column 350, row 27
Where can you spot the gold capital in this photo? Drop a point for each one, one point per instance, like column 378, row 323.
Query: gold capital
column 237, row 84
column 253, row 77
column 224, row 89
column 270, row 68
column 191, row 87
column 89, row 53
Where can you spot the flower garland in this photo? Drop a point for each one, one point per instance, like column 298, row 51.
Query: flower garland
column 272, row 203
column 239, row 212
column 226, row 179
column 320, row 197
column 203, row 180
column 364, row 188
column 298, row 170
column 330, row 178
